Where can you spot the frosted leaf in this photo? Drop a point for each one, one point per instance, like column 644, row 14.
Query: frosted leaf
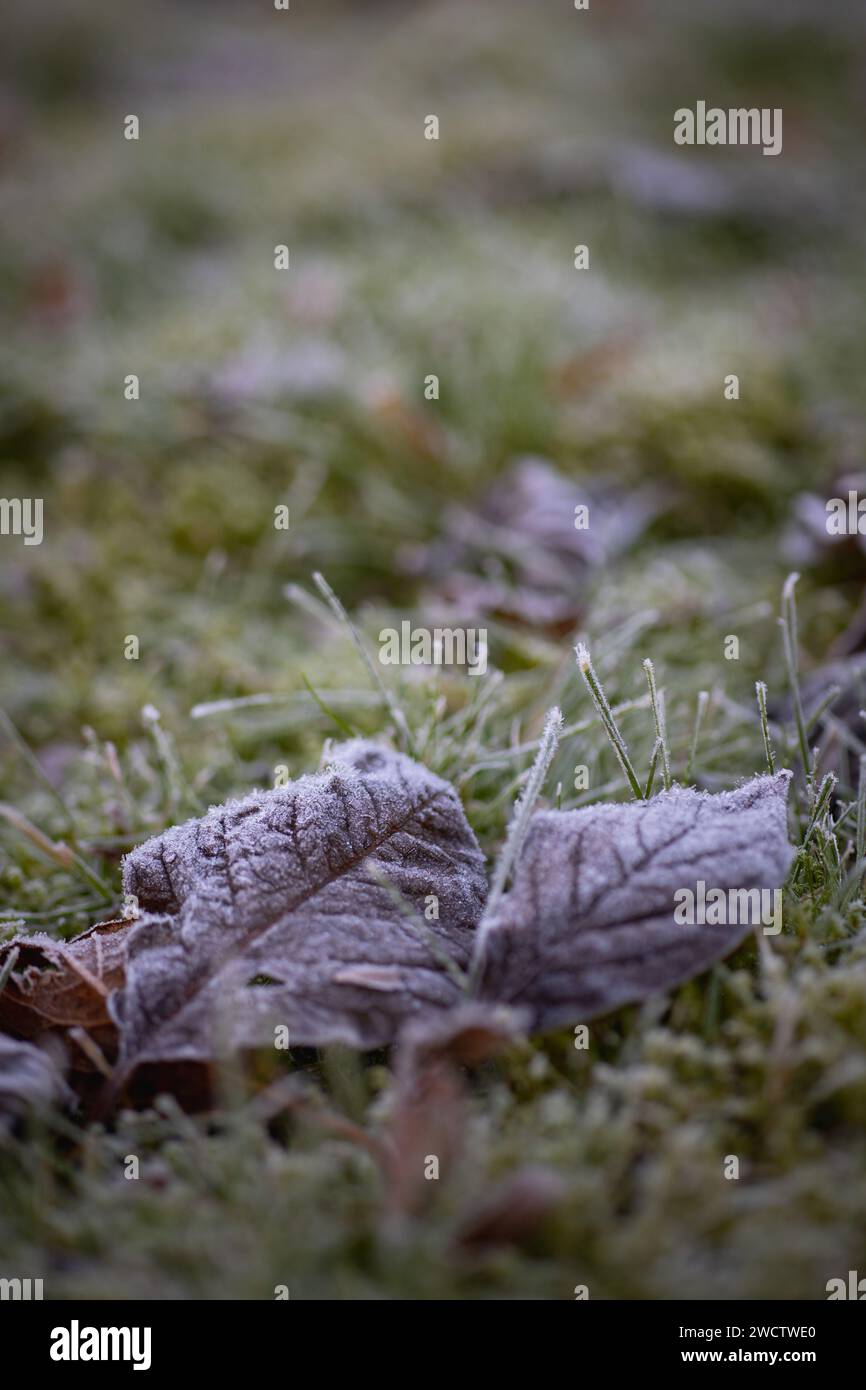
column 299, row 912
column 271, row 911
column 589, row 922
column 56, row 985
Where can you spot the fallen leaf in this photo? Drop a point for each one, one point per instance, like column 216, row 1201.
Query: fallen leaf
column 427, row 1118
column 589, row 922
column 839, row 730
column 30, row 1078
column 426, row 1124
column 466, row 1035
column 514, row 1210
column 807, row 543
column 271, row 911
column 301, row 911
column 517, row 553
column 61, row 985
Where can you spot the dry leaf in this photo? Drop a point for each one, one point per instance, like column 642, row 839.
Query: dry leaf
column 30, row 1078
column 266, row 912
column 589, row 922
column 429, row 1098
column 514, row 1210
column 466, row 1035
column 518, row 555
column 426, row 1123
column 60, row 985
column 301, row 912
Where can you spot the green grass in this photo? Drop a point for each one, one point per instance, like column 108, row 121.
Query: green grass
column 409, row 258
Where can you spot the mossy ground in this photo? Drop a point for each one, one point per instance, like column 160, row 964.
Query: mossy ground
column 411, row 257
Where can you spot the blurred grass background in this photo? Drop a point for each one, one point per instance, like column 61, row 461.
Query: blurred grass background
column 306, row 388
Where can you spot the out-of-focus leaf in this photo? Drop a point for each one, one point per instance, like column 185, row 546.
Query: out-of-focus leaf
column 514, row 1210
column 466, row 1035
column 30, row 1079
column 425, row 1126
column 520, row 556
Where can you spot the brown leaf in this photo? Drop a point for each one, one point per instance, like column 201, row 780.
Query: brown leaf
column 429, row 1098
column 426, row 1123
column 514, row 1210
column 60, row 985
column 466, row 1035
